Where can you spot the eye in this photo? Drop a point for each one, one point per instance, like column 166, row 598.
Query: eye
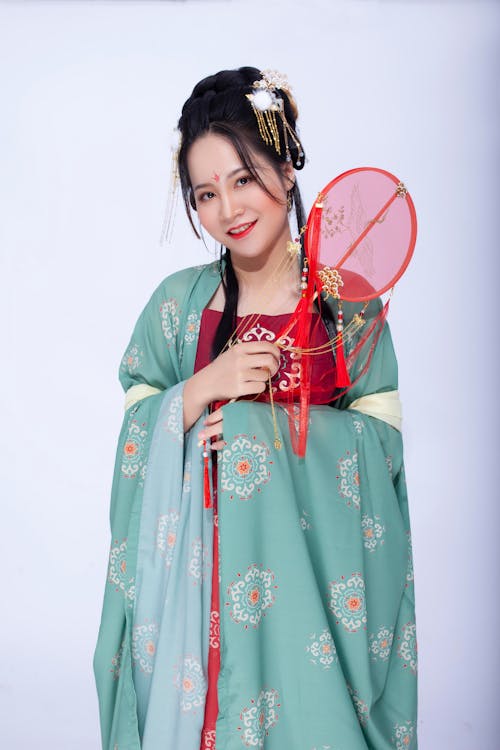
column 244, row 180
column 206, row 196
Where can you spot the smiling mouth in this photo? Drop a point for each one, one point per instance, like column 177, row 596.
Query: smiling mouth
column 242, row 230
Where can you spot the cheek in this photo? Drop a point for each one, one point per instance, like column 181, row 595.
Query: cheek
column 205, row 215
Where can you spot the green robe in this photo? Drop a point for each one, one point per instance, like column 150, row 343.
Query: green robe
column 317, row 611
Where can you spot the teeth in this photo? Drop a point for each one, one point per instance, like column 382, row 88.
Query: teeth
column 240, row 229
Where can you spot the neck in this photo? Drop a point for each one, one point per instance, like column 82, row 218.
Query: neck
column 268, row 283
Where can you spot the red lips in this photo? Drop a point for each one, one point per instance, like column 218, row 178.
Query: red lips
column 244, row 233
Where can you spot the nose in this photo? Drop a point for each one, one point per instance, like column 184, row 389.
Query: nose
column 229, row 207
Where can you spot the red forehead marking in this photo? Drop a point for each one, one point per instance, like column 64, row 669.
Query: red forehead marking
column 215, row 177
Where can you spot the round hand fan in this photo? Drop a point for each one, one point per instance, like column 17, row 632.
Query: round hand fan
column 359, row 238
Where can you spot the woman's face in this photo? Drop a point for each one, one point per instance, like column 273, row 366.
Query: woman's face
column 231, row 205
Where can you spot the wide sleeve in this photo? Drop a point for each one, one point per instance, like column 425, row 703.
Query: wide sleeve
column 150, row 358
column 381, row 377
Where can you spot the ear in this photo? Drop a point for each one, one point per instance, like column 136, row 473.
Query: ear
column 288, row 173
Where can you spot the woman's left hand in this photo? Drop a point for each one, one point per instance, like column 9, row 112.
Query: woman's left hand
column 213, row 428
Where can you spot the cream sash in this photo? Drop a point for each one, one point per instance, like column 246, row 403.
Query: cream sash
column 385, row 406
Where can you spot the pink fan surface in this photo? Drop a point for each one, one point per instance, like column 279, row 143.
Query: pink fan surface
column 363, row 225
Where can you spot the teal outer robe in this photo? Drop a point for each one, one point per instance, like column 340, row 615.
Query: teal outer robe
column 317, row 610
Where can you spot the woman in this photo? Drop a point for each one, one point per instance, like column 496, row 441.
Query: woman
column 293, row 625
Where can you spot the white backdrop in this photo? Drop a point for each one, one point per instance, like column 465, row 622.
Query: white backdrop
column 89, row 92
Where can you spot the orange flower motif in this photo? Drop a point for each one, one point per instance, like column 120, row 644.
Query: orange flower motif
column 326, row 648
column 243, row 467
column 254, row 596
column 123, row 566
column 170, row 539
column 187, row 684
column 150, row 647
column 368, row 533
column 130, row 448
column 354, row 603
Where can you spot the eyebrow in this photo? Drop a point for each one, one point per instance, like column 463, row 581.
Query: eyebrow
column 231, row 174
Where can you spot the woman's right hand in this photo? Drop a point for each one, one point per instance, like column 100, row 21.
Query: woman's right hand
column 242, row 370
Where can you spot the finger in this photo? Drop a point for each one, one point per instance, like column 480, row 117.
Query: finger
column 256, row 347
column 215, row 416
column 265, row 362
column 218, row 445
column 211, row 431
column 258, row 374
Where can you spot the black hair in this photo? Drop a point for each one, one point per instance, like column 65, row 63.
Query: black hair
column 218, row 105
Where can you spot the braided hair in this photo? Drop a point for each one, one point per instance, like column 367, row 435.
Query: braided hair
column 218, row 105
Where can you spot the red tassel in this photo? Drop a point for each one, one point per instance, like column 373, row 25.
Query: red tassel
column 206, row 478
column 342, row 380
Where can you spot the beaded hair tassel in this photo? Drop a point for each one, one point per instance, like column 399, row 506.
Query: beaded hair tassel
column 266, row 105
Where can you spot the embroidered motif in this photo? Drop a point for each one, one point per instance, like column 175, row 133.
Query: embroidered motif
column 174, row 420
column 214, row 633
column 130, row 594
column 322, row 649
column 304, row 523
column 166, row 535
column 407, row 649
column 116, row 662
column 191, row 683
column 117, row 571
column 245, row 466
column 373, row 532
column 251, row 595
column 117, row 568
column 199, row 564
column 169, row 311
column 359, row 705
column 132, row 359
column 347, row 602
column 409, row 569
column 402, row 735
column 348, row 486
column 192, row 327
column 358, row 425
column 133, row 449
column 388, row 461
column 381, row 643
column 259, row 718
column 144, row 645
column 186, row 479
column 288, row 376
column 208, row 739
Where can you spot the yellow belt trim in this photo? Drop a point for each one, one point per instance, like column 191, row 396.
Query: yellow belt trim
column 137, row 392
column 385, row 406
